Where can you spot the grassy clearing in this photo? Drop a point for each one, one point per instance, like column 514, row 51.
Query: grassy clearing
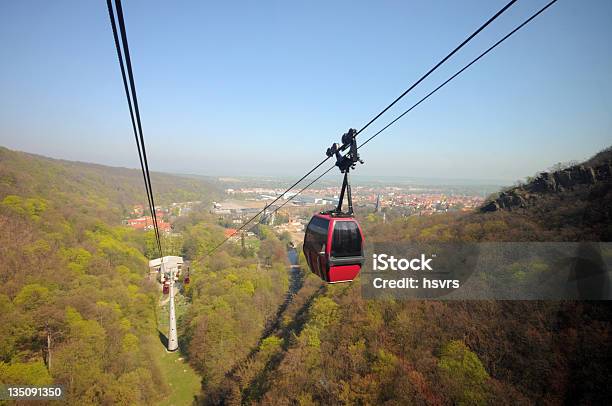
column 183, row 382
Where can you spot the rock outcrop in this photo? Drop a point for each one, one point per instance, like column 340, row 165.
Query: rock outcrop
column 546, row 183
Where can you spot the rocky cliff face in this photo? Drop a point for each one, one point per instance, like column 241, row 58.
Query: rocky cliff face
column 575, row 178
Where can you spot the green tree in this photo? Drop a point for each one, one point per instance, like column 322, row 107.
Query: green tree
column 464, row 374
column 32, row 296
column 25, row 373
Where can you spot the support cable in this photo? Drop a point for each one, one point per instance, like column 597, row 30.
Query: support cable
column 459, row 72
column 468, row 39
column 448, row 56
column 130, row 92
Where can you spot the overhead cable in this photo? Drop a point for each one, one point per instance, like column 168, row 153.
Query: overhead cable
column 123, row 54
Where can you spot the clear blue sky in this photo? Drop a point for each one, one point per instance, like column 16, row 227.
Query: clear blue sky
column 264, row 87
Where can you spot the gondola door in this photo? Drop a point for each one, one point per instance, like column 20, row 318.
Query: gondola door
column 316, row 245
column 346, row 250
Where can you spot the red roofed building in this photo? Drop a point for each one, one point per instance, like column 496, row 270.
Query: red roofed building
column 163, row 226
column 141, row 223
column 229, row 231
column 146, row 223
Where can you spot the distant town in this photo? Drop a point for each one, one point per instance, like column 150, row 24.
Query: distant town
column 238, row 204
column 420, row 201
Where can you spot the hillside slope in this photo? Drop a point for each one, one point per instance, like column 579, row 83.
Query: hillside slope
column 578, row 197
column 349, row 350
column 107, row 192
column 75, row 308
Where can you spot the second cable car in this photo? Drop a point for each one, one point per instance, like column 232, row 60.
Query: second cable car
column 333, row 242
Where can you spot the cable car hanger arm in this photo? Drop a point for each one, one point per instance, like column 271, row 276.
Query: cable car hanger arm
column 345, row 163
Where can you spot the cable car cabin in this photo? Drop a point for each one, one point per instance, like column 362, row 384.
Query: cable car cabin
column 186, row 280
column 333, row 247
column 166, row 288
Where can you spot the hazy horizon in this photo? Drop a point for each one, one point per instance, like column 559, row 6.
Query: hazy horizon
column 357, row 178
column 263, row 91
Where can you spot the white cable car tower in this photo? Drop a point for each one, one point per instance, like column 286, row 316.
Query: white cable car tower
column 172, row 334
column 171, row 265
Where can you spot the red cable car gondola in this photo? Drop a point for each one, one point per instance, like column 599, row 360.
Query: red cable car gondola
column 186, row 278
column 333, row 247
column 333, row 242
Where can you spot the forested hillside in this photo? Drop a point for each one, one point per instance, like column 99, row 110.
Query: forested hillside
column 342, row 349
column 77, row 308
column 234, row 296
column 90, row 190
column 73, row 278
column 74, row 282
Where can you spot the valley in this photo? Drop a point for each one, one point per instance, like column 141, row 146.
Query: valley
column 255, row 327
